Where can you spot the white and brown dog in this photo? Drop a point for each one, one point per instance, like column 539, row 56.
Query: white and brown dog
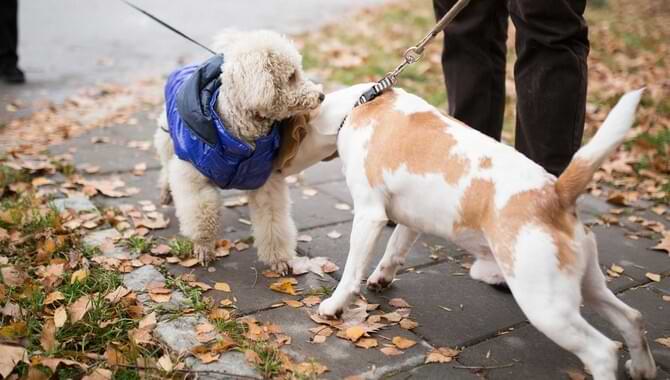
column 405, row 161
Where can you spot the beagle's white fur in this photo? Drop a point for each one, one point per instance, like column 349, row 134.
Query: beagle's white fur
column 404, row 160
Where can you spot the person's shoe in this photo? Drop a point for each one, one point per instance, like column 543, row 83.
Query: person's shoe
column 13, row 75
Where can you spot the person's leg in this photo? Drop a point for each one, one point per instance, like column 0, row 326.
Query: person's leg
column 9, row 42
column 473, row 62
column 551, row 74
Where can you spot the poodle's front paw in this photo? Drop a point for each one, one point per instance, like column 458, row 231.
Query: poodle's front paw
column 379, row 280
column 281, row 267
column 487, row 271
column 331, row 308
column 204, row 253
column 165, row 196
column 645, row 373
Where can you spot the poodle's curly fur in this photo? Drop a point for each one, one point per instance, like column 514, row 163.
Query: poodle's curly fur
column 262, row 81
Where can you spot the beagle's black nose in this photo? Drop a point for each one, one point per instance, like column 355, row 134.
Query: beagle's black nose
column 322, row 97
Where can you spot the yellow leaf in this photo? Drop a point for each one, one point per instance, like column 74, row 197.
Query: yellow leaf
column 408, row 324
column 403, row 343
column 354, row 333
column 166, row 363
column 53, row 297
column 222, row 286
column 653, row 276
column 285, row 285
column 78, row 276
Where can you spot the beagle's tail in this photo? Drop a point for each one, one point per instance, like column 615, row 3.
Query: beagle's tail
column 588, row 158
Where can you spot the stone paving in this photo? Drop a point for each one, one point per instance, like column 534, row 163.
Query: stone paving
column 451, row 309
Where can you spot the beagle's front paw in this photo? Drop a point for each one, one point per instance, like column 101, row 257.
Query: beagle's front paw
column 332, row 308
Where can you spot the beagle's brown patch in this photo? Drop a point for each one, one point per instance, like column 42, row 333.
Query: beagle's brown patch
column 485, row 162
column 419, row 141
column 572, row 183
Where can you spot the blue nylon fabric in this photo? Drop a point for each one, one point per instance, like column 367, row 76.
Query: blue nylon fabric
column 228, row 162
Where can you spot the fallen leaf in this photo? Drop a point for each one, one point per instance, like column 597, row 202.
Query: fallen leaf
column 310, row 192
column 188, row 263
column 367, row 343
column 398, row 302
column 148, row 321
column 391, row 351
column 317, row 265
column 48, row 337
column 304, row 238
column 441, row 355
column 219, row 314
column 294, row 303
column 60, row 317
column 117, row 294
column 403, row 343
column 616, row 269
column 664, row 244
column 311, row 300
column 79, row 308
column 99, row 374
column 653, row 276
column 161, row 249
column 222, row 286
column 354, row 333
column 10, row 356
column 141, row 336
column 334, row 234
column 310, row 369
column 408, row 324
column 663, row 341
column 12, row 276
column 285, row 285
column 165, row 363
column 78, row 276
column 208, row 357
column 252, row 357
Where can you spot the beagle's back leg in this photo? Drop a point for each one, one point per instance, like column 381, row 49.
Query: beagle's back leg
column 551, row 297
column 626, row 319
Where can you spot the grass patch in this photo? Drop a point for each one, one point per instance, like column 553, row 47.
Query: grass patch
column 182, row 248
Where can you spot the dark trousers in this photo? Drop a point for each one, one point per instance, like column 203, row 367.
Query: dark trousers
column 9, row 33
column 550, row 72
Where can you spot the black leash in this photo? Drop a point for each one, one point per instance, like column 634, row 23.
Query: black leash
column 165, row 24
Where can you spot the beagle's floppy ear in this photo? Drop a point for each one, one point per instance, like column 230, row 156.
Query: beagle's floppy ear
column 293, row 134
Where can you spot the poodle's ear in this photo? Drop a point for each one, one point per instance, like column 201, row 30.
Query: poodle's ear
column 293, row 134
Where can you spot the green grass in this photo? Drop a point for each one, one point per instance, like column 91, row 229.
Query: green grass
column 323, row 291
column 139, row 244
column 181, row 248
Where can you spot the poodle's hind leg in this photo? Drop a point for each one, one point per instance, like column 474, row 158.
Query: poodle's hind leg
column 165, row 149
column 197, row 204
column 274, row 231
column 626, row 319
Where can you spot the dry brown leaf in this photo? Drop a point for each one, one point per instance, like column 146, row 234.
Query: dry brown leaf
column 252, row 357
column 398, row 302
column 207, row 357
column 317, row 265
column 391, row 351
column 222, row 286
column 188, row 263
column 99, row 374
column 408, row 324
column 141, row 335
column 311, row 300
column 161, row 249
column 48, row 337
column 79, row 308
column 441, row 355
column 60, row 317
column 294, row 303
column 13, row 276
column 663, row 341
column 311, row 368
column 10, row 356
column 117, row 294
column 403, row 343
column 148, row 322
column 367, row 343
column 219, row 314
column 664, row 244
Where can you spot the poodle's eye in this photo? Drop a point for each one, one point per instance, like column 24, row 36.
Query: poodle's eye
column 293, row 77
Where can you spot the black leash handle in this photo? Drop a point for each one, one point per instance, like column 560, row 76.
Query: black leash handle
column 165, row 24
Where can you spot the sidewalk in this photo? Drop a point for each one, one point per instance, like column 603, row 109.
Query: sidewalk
column 451, row 309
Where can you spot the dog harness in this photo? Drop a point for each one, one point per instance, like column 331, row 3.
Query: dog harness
column 201, row 138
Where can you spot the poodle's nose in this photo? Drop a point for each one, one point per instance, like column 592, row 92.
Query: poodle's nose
column 322, row 97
